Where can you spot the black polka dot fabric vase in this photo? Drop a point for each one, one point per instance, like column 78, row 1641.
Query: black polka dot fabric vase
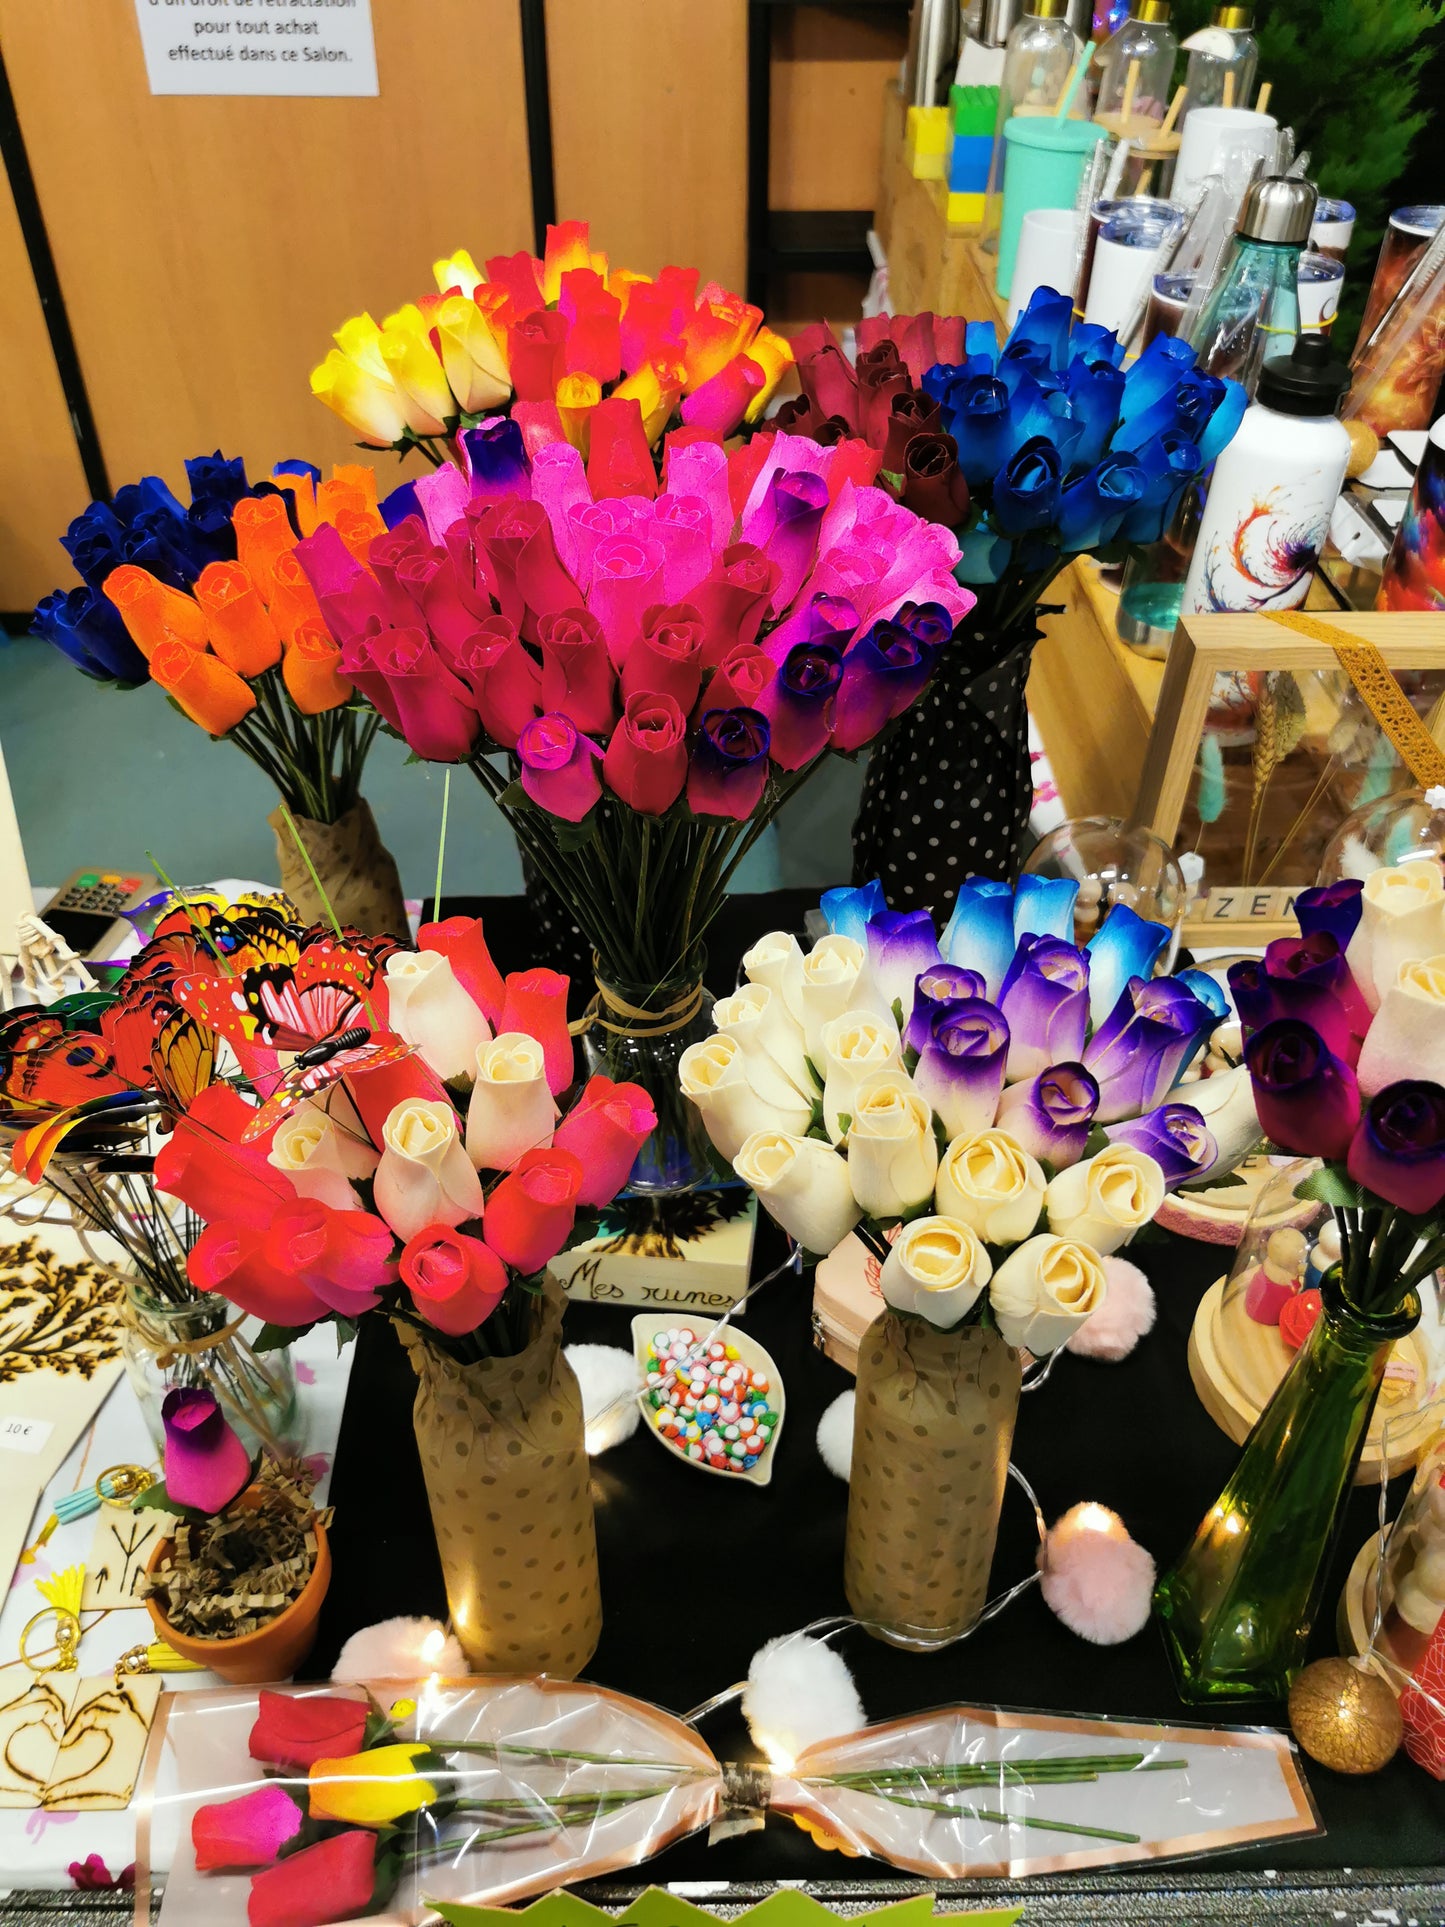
column 948, row 793
column 556, row 941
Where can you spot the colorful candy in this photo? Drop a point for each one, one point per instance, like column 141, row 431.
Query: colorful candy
column 707, row 1402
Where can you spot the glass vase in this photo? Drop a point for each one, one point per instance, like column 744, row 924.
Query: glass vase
column 932, row 1431
column 638, row 1036
column 1238, row 1605
column 198, row 1342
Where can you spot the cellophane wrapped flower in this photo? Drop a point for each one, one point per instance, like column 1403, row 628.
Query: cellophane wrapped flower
column 1032, row 452
column 1344, row 1030
column 1005, row 1106
column 209, row 602
column 553, row 341
column 403, row 1137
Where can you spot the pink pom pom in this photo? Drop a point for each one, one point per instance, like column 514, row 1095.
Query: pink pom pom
column 1095, row 1577
column 1124, row 1317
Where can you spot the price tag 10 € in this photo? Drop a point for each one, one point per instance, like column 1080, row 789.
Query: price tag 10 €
column 24, row 1434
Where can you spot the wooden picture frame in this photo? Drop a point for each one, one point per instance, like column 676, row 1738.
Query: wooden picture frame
column 1207, row 646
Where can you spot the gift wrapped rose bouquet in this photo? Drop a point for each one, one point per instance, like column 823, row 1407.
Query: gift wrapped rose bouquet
column 662, row 668
column 1032, row 453
column 552, row 341
column 1000, row 1090
column 208, row 602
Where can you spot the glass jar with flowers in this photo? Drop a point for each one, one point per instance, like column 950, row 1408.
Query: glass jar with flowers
column 647, row 618
column 1345, row 1046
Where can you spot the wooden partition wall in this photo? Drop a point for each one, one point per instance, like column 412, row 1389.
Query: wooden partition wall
column 649, row 128
column 42, row 484
column 207, row 247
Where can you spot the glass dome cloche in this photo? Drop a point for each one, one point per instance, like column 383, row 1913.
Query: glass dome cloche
column 1407, row 826
column 1113, row 862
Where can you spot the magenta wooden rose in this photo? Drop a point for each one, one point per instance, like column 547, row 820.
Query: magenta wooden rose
column 1306, row 1097
column 559, row 767
column 206, row 1465
column 1398, row 1152
column 248, row 1831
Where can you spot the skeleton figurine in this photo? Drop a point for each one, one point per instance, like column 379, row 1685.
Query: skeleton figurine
column 47, row 961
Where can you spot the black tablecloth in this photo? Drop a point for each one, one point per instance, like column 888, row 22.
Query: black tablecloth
column 697, row 1573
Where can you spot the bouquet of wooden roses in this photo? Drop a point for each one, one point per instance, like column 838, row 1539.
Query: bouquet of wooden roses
column 406, row 1145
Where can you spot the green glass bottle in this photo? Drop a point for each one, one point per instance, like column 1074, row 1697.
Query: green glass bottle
column 1237, row 1607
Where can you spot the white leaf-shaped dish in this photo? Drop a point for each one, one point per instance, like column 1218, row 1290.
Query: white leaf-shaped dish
column 645, row 1328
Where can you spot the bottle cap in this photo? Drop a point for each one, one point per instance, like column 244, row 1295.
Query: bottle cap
column 1278, row 208
column 1153, row 11
column 1234, row 19
column 996, row 21
column 1046, row 9
column 1309, row 381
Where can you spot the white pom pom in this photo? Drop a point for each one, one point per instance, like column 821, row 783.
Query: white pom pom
column 401, row 1649
column 835, row 1435
column 610, row 1380
column 1125, row 1316
column 799, row 1691
column 1095, row 1577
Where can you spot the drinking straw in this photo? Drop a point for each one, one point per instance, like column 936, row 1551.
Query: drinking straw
column 1073, row 83
column 1228, row 100
column 1261, row 104
column 1146, row 179
column 1131, row 82
column 1174, row 107
column 1423, row 271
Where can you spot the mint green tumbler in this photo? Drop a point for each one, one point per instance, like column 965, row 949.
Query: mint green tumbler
column 1043, row 164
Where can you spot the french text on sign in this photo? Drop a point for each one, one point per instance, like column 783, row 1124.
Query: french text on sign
column 303, row 48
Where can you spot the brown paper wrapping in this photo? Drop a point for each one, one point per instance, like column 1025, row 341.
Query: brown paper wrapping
column 357, row 871
column 931, row 1436
column 507, row 1476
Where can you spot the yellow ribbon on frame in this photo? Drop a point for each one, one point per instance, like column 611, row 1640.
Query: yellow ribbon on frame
column 1379, row 691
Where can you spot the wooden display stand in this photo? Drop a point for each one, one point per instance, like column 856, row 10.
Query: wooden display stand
column 1355, row 1613
column 1205, row 647
column 932, row 265
column 1121, row 731
column 1237, row 1364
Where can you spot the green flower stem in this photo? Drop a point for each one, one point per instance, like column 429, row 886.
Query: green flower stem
column 1014, row 1819
column 314, row 762
column 547, row 1755
column 1064, row 1767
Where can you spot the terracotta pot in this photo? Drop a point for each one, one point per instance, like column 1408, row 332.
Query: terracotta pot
column 273, row 1651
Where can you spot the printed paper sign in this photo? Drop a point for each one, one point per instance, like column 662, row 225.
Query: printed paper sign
column 24, row 1434
column 299, row 47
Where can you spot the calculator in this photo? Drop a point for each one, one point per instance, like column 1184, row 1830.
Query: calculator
column 89, row 909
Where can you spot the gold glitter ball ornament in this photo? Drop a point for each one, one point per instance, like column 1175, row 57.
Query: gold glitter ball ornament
column 1345, row 1718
